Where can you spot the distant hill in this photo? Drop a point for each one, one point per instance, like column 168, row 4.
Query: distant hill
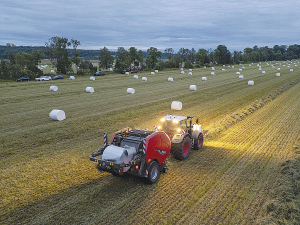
column 86, row 54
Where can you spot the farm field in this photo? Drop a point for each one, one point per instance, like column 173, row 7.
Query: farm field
column 46, row 176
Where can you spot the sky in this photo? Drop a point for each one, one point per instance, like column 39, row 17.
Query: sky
column 176, row 24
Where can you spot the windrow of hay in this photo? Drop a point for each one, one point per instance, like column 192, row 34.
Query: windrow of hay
column 239, row 115
column 284, row 206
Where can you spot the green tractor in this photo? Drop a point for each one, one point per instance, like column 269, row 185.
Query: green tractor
column 185, row 133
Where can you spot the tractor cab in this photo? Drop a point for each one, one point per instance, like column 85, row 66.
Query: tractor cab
column 174, row 125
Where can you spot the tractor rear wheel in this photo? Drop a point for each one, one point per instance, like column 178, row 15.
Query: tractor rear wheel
column 153, row 173
column 183, row 149
column 198, row 143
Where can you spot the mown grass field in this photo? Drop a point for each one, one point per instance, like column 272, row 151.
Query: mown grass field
column 47, row 178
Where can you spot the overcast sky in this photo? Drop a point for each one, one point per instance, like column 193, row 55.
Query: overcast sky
column 159, row 23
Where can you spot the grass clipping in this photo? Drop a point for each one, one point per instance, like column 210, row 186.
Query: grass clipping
column 285, row 205
column 238, row 116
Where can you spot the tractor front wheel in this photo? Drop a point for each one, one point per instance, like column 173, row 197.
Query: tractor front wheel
column 153, row 172
column 183, row 149
column 198, row 143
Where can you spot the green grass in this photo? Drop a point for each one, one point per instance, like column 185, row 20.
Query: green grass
column 46, row 176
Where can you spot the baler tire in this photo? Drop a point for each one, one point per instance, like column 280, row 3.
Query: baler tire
column 181, row 150
column 153, row 173
column 198, row 145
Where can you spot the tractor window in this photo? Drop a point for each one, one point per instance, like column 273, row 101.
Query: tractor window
column 183, row 124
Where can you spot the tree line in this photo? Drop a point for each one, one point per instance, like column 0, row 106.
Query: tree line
column 64, row 55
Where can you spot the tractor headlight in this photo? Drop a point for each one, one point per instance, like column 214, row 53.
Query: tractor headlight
column 159, row 127
column 163, row 120
column 175, row 121
column 178, row 130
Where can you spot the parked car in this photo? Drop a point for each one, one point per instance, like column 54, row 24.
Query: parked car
column 99, row 73
column 21, row 79
column 42, row 78
column 57, row 77
column 126, row 70
column 134, row 70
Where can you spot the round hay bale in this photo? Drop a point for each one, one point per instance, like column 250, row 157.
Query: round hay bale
column 291, row 70
column 156, row 71
column 250, row 82
column 212, row 73
column 232, row 67
column 204, row 78
column 181, row 69
column 170, row 79
column 144, row 78
column 126, row 73
column 57, row 114
column 277, row 74
column 152, row 73
column 190, row 70
column 92, row 78
column 241, row 77
column 237, row 73
column 223, row 69
column 193, row 87
column 240, row 70
column 223, row 65
column 263, row 72
column 176, row 105
column 136, row 77
column 213, row 68
column 53, row 88
column 190, row 73
column 111, row 69
column 130, row 91
column 182, row 72
column 89, row 90
column 72, row 78
column 204, row 67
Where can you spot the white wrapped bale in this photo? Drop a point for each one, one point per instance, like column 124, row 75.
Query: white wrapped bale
column 190, row 70
column 182, row 72
column 213, row 68
column 263, row 72
column 126, row 73
column 212, row 73
column 241, row 77
column 152, row 73
column 243, row 67
column 291, row 70
column 72, row 78
column 232, row 67
column 259, row 69
column 111, row 69
column 190, row 73
column 89, row 90
column 193, row 87
column 204, row 79
column 223, row 65
column 53, row 88
column 156, row 71
column 250, row 82
column 240, row 70
column 228, row 66
column 170, row 79
column 181, row 69
column 130, row 91
column 237, row 73
column 57, row 114
column 52, row 71
column 277, row 74
column 92, row 78
column 144, row 78
column 223, row 69
column 204, row 67
column 135, row 76
column 176, row 105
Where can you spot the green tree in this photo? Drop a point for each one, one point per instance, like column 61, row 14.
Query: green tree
column 133, row 56
column 57, row 50
column 122, row 60
column 105, row 58
column 153, row 54
column 140, row 58
column 75, row 58
column 201, row 57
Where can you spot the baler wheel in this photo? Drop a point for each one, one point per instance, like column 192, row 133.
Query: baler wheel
column 153, row 172
column 183, row 149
